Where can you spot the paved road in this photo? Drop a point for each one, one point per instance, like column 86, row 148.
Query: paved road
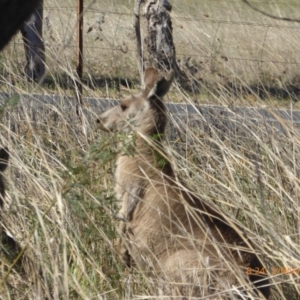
column 181, row 115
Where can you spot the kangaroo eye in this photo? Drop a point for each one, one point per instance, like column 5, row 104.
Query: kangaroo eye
column 123, row 107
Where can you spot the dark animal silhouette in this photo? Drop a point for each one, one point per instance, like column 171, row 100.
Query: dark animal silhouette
column 9, row 245
column 4, row 156
column 13, row 13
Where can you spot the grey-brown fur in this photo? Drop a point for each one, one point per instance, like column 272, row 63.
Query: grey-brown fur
column 168, row 232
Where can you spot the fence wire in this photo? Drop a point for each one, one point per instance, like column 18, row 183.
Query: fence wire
column 205, row 44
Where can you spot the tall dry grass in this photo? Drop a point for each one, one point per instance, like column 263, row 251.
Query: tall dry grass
column 60, row 203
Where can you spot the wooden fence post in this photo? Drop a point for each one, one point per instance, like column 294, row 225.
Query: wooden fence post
column 79, row 54
column 137, row 28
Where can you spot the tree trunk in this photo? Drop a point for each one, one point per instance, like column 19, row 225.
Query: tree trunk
column 32, row 32
column 159, row 40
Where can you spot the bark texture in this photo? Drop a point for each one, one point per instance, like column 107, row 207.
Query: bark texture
column 159, row 40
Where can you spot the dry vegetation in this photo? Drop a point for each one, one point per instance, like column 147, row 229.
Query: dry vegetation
column 60, row 202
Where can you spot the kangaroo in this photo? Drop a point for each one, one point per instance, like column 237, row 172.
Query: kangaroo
column 167, row 231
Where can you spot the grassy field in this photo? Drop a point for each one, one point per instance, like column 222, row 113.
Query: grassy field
column 60, row 203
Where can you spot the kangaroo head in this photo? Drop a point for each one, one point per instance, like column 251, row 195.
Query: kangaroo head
column 139, row 111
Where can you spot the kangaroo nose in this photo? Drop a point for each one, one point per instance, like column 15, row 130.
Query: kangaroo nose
column 101, row 123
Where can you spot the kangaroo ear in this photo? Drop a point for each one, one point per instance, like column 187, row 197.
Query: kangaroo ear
column 4, row 156
column 162, row 86
column 150, row 78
